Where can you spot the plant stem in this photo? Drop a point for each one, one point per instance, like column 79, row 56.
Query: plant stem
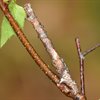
column 64, row 88
column 81, row 60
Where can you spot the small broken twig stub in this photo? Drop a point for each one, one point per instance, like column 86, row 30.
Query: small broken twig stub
column 57, row 62
column 91, row 49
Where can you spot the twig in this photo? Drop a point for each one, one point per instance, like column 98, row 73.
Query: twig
column 57, row 61
column 27, row 45
column 91, row 49
column 64, row 89
column 81, row 60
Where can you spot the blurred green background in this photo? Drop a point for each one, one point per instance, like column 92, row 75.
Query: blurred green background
column 20, row 77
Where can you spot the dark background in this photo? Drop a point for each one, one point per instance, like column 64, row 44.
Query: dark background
column 20, row 77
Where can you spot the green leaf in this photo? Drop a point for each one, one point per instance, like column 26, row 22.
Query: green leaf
column 19, row 15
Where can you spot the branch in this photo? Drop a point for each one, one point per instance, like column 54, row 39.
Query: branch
column 64, row 89
column 57, row 61
column 81, row 60
column 91, row 49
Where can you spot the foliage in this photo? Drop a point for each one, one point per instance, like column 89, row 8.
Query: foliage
column 19, row 15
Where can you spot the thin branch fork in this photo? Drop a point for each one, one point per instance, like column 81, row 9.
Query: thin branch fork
column 64, row 88
column 81, row 60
